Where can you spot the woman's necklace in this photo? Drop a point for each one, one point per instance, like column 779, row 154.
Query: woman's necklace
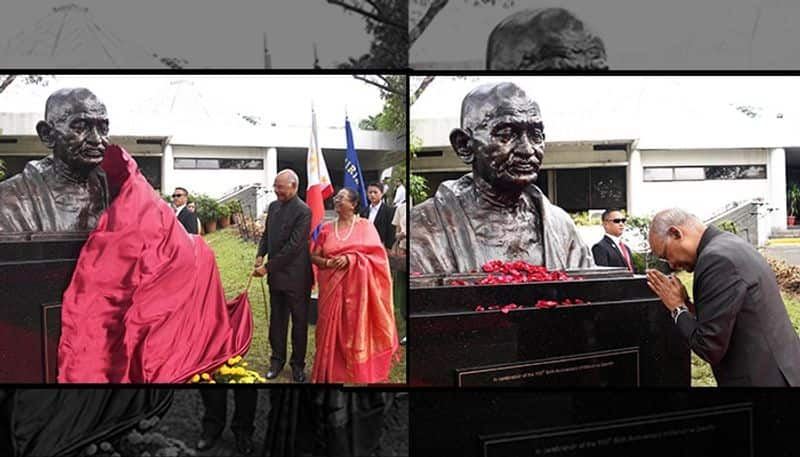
column 349, row 232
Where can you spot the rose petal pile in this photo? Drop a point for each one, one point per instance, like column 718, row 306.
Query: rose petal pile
column 541, row 304
column 513, row 273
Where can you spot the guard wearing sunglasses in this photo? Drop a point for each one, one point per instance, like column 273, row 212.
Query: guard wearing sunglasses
column 187, row 218
column 611, row 251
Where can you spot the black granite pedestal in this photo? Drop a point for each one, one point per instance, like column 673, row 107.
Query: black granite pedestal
column 623, row 337
column 35, row 269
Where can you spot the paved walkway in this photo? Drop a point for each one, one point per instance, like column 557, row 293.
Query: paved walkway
column 789, row 253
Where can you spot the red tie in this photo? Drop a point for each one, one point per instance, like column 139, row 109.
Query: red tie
column 625, row 255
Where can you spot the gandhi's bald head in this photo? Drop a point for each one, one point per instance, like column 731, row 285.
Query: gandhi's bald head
column 501, row 135
column 75, row 127
column 65, row 102
column 494, row 100
column 544, row 39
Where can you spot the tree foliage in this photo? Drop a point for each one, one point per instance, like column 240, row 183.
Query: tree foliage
column 392, row 117
column 387, row 22
column 5, row 83
column 423, row 12
column 7, row 80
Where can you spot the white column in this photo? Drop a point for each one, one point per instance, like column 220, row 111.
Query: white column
column 266, row 195
column 270, row 166
column 776, row 179
column 167, row 170
column 635, row 181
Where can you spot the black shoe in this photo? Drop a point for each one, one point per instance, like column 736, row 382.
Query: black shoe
column 244, row 444
column 274, row 371
column 298, row 376
column 207, row 441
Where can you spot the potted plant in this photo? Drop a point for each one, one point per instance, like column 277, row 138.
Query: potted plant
column 793, row 199
column 208, row 211
column 224, row 216
column 236, row 211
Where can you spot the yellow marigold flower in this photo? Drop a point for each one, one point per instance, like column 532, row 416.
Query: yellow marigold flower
column 232, row 381
column 205, row 376
column 223, row 370
column 232, row 361
column 196, row 378
column 212, row 382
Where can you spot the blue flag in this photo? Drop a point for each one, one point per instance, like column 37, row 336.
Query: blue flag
column 352, row 170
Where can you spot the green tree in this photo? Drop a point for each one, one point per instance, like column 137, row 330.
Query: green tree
column 392, row 117
column 5, row 82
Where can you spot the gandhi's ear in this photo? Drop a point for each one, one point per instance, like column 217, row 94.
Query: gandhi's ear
column 46, row 134
column 459, row 140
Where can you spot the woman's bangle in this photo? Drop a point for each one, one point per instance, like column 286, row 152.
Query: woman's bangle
column 326, row 263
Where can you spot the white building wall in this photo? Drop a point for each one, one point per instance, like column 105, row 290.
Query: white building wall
column 215, row 183
column 775, row 208
column 703, row 198
column 634, row 174
column 167, row 171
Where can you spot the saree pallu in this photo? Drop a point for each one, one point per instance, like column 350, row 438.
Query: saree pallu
column 325, row 422
column 62, row 422
column 356, row 334
column 146, row 303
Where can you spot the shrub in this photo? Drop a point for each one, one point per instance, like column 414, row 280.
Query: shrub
column 419, row 189
column 581, row 218
column 729, row 226
column 224, row 211
column 235, row 206
column 644, row 261
column 208, row 209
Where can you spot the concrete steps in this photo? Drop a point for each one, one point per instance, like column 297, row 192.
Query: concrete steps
column 790, row 232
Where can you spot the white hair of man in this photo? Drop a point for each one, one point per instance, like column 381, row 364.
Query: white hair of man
column 662, row 221
column 291, row 175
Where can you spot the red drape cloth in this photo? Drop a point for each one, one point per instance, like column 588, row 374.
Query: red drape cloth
column 356, row 332
column 145, row 304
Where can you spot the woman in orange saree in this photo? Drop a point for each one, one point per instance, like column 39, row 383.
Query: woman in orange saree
column 356, row 331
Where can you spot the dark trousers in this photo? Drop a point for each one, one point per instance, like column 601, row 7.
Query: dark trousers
column 284, row 303
column 215, row 402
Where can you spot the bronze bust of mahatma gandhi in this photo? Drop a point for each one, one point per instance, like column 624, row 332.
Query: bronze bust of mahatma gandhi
column 66, row 191
column 496, row 212
column 544, row 39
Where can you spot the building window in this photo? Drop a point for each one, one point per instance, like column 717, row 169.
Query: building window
column 220, row 164
column 658, row 174
column 737, row 172
column 689, row 174
column 652, row 174
column 185, row 163
column 581, row 189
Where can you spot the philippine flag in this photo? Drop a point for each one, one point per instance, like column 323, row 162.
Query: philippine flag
column 319, row 182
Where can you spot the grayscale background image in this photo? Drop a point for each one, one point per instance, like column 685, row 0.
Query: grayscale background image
column 260, row 422
column 637, row 34
column 203, row 34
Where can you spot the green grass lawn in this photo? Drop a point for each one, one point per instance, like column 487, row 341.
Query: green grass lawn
column 235, row 261
column 701, row 370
